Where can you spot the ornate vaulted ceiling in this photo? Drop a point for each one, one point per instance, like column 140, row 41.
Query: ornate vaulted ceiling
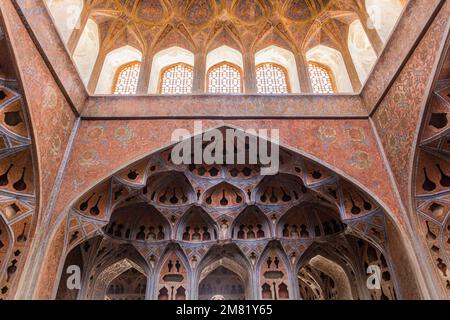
column 294, row 24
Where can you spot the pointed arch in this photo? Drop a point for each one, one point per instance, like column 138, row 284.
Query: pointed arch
column 231, row 258
column 129, row 285
column 126, row 79
column 286, row 59
column 224, row 35
column 166, row 58
column 115, row 61
column 345, row 267
column 315, row 175
column 251, row 224
column 140, row 221
column 110, row 273
column 174, row 273
column 197, row 226
column 224, row 53
column 274, row 274
column 332, row 59
column 224, row 195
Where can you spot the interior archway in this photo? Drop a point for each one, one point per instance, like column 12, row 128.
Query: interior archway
column 114, row 61
column 305, row 203
column 165, row 58
column 324, row 279
column 332, row 59
column 221, row 284
column 130, row 285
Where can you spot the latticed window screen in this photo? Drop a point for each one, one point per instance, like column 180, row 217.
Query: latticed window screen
column 321, row 80
column 271, row 79
column 224, row 78
column 127, row 79
column 177, row 79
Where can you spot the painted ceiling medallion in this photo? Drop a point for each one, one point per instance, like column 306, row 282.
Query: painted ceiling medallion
column 151, row 10
column 199, row 11
column 248, row 11
column 145, row 11
column 298, row 11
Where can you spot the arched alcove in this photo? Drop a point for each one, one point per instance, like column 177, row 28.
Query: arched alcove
column 74, row 258
column 197, row 226
column 284, row 58
column 304, row 188
column 115, row 60
column 229, row 264
column 165, row 58
column 224, row 67
column 332, row 59
column 129, row 285
column 329, row 276
column 309, row 221
column 274, row 280
column 173, row 277
column 94, row 264
column 112, row 272
column 251, row 224
column 224, row 195
column 280, row 189
column 222, row 54
column 140, row 221
column 170, row 189
column 221, row 284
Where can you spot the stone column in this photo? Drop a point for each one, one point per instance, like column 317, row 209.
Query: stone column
column 303, row 73
column 199, row 73
column 250, row 86
column 144, row 74
column 96, row 71
column 78, row 31
column 351, row 69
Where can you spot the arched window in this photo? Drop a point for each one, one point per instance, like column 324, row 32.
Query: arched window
column 115, row 62
column 225, row 78
column 332, row 62
column 127, row 77
column 164, row 63
column 177, row 79
column 321, row 78
column 280, row 58
column 271, row 79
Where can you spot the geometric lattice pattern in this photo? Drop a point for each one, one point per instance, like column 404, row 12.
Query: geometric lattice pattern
column 127, row 79
column 224, row 78
column 177, row 79
column 271, row 79
column 320, row 79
